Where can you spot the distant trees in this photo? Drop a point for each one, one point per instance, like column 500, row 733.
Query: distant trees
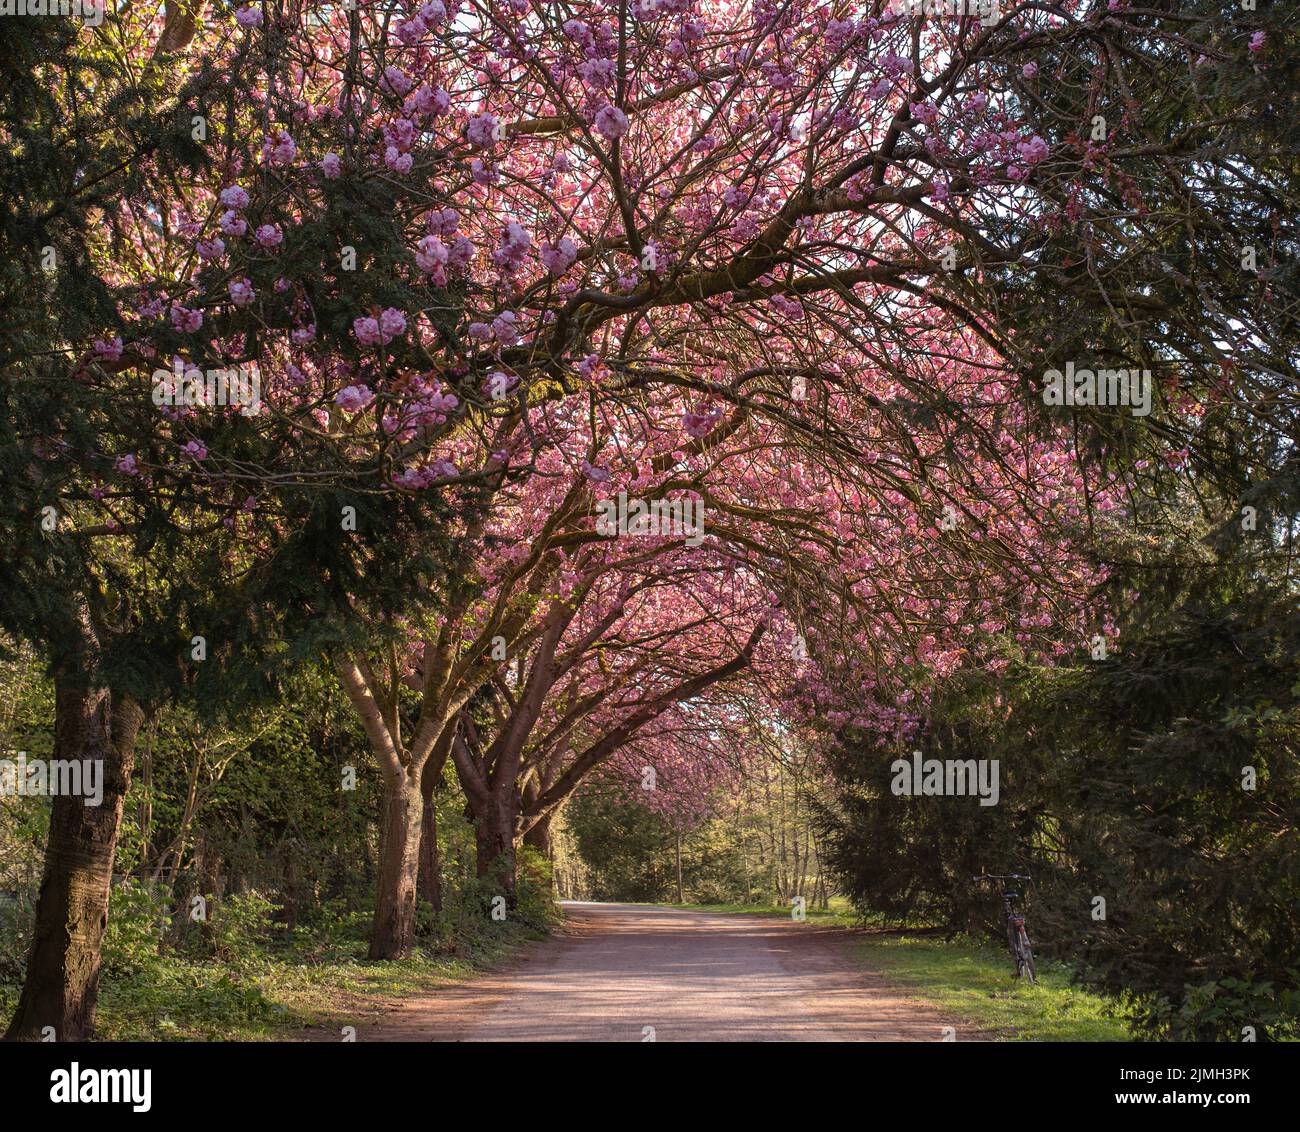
column 624, row 851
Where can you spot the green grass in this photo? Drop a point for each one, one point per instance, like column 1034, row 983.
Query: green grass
column 277, row 999
column 974, row 982
column 970, row 980
column 281, row 990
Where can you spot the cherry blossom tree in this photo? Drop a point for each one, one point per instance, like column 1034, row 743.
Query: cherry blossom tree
column 492, row 262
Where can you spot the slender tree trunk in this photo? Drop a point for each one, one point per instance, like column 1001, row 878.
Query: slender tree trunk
column 681, row 898
column 401, row 829
column 145, row 809
column 393, row 930
column 744, row 862
column 293, row 892
column 61, row 987
column 430, row 863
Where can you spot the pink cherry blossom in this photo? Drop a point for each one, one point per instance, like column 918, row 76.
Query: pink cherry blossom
column 611, row 122
column 241, row 292
column 354, row 398
column 185, row 320
column 234, row 197
column 483, row 130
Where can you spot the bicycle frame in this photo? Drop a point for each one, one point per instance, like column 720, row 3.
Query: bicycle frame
column 1017, row 935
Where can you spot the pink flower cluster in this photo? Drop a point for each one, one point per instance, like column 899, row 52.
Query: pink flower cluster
column 379, row 332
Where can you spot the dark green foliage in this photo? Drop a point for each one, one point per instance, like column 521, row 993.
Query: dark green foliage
column 1121, row 779
column 1196, row 173
column 628, row 849
column 80, row 133
column 256, row 560
column 631, row 852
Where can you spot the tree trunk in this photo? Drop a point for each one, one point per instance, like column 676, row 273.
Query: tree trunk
column 62, row 981
column 539, row 837
column 494, row 837
column 430, row 863
column 393, row 930
column 681, row 896
column 145, row 810
column 292, row 890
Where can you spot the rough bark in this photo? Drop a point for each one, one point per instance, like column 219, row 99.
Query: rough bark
column 393, row 931
column 61, row 987
column 430, row 884
column 494, row 840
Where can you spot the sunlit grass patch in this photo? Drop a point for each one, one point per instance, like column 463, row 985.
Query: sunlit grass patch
column 974, row 981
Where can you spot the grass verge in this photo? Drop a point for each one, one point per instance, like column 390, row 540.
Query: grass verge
column 969, row 980
column 280, row 989
column 973, row 981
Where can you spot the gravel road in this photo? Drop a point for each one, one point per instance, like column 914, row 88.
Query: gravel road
column 631, row 973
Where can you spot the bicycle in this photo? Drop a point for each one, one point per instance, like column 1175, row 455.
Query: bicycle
column 1017, row 937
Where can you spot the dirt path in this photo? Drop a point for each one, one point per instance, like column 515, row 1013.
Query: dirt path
column 613, row 970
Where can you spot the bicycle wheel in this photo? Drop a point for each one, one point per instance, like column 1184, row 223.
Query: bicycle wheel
column 1026, row 961
column 1013, row 944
